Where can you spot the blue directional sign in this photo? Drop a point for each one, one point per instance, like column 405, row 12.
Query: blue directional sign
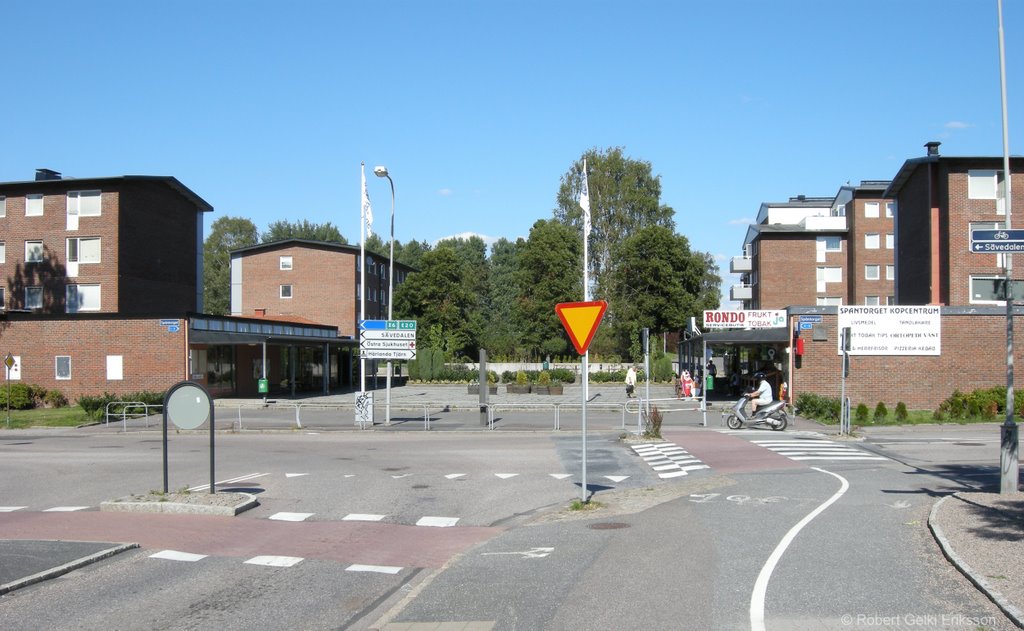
column 989, row 241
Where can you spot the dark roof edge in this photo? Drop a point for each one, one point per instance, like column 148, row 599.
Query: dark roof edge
column 170, row 180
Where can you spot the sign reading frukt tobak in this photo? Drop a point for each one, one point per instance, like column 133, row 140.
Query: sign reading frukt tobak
column 907, row 330
column 744, row 319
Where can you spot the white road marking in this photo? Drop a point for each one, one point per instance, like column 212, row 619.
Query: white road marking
column 399, row 477
column 505, row 476
column 761, row 585
column 560, row 476
column 362, row 517
column 668, row 459
column 295, row 475
column 532, row 553
column 291, row 516
column 384, row 569
column 11, row 509
column 453, row 476
column 616, row 478
column 241, row 478
column 174, row 555
column 438, row 522
column 350, row 475
column 274, row 561
column 65, row 509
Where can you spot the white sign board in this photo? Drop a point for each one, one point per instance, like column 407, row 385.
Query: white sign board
column 744, row 319
column 364, row 408
column 392, row 354
column 892, row 330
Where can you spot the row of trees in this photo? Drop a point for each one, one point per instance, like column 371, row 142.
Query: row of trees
column 465, row 297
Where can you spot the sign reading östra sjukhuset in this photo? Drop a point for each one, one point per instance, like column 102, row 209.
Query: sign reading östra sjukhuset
column 911, row 330
column 744, row 319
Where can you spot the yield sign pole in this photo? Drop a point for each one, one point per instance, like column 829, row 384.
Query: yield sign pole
column 580, row 320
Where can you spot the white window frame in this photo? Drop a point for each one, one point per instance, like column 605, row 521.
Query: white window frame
column 871, row 210
column 872, row 301
column 77, row 258
column 90, row 208
column 984, row 183
column 890, row 272
column 57, row 367
column 82, row 294
column 829, row 240
column 3, row 298
column 827, row 301
column 3, row 205
column 890, row 210
column 983, row 301
column 282, row 290
column 890, row 241
column 872, row 272
column 29, row 249
column 872, row 241
column 34, row 205
column 3, row 251
column 824, row 272
column 285, row 263
column 37, row 291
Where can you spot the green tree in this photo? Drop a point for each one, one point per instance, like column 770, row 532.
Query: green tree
column 624, row 197
column 439, row 295
column 226, row 234
column 658, row 283
column 411, row 253
column 549, row 274
column 284, row 229
column 501, row 336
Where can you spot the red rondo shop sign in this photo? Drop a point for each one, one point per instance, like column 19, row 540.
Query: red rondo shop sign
column 744, row 319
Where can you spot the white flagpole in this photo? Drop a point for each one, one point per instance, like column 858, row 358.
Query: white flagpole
column 585, row 205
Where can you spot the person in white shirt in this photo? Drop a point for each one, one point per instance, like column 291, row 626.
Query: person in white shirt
column 763, row 395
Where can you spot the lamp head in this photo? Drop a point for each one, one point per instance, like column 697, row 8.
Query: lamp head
column 381, row 171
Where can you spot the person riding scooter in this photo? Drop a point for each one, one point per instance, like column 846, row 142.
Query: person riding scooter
column 763, row 395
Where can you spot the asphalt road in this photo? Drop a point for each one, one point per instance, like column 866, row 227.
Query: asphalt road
column 687, row 551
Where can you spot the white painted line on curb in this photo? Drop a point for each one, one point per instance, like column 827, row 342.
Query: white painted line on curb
column 174, row 555
column 384, row 569
column 291, row 516
column 362, row 517
column 274, row 561
column 65, row 509
column 438, row 522
column 11, row 509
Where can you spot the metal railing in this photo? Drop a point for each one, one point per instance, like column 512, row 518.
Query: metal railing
column 130, row 405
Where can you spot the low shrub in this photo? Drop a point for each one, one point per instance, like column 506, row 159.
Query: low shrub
column 817, row 407
column 861, row 413
column 652, row 426
column 881, row 413
column 21, row 397
column 901, row 412
column 55, row 399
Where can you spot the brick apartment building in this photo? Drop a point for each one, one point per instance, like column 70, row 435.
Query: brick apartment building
column 819, row 251
column 313, row 280
column 103, row 291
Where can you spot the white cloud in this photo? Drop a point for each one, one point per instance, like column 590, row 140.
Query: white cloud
column 740, row 222
column 445, row 192
column 465, row 236
column 957, row 125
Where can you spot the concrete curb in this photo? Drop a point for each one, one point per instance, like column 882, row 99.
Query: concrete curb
column 65, row 568
column 1015, row 615
column 126, row 505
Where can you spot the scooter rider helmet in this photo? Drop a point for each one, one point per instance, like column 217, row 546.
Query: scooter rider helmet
column 759, row 375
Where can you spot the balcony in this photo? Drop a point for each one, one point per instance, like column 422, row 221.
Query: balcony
column 741, row 292
column 741, row 264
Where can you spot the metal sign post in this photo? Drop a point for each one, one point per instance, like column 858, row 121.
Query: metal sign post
column 9, row 363
column 188, row 405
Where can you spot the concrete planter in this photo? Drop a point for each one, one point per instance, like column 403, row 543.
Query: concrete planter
column 474, row 388
column 515, row 388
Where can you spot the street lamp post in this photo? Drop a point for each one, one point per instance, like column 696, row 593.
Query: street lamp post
column 382, row 171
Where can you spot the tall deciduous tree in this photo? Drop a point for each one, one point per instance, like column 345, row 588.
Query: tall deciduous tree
column 658, row 283
column 284, row 229
column 226, row 234
column 624, row 197
column 501, row 335
column 549, row 265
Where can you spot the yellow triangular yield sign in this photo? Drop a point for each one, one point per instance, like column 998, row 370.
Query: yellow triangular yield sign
column 580, row 320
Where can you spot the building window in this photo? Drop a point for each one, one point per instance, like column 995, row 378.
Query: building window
column 115, row 367
column 3, row 206
column 830, row 274
column 33, row 251
column 62, row 367
column 3, row 299
column 984, row 184
column 987, row 290
column 890, row 207
column 3, row 252
column 829, row 301
column 832, row 244
column 890, row 272
column 286, row 291
column 285, row 263
column 84, row 250
column 871, row 210
column 871, row 272
column 82, row 298
column 890, row 241
column 85, row 203
column 34, row 205
column 871, row 301
column 890, row 300
column 871, row 241
column 33, row 297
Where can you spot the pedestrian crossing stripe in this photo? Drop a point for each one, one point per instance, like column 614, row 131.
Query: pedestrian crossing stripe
column 802, row 450
column 668, row 459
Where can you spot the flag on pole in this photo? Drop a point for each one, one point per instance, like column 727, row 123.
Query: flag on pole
column 367, row 209
column 585, row 201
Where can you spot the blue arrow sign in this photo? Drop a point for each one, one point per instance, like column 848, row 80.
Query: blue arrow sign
column 373, row 325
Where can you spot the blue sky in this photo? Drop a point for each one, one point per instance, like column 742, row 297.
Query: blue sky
column 266, row 109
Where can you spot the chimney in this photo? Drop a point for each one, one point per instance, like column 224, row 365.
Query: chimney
column 43, row 175
column 261, row 313
column 933, row 147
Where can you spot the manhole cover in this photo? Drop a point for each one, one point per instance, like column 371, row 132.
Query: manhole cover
column 613, row 525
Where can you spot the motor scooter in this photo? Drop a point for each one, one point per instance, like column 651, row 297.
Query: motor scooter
column 772, row 415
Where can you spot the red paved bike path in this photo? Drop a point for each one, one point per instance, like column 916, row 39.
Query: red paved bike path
column 727, row 453
column 368, row 543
